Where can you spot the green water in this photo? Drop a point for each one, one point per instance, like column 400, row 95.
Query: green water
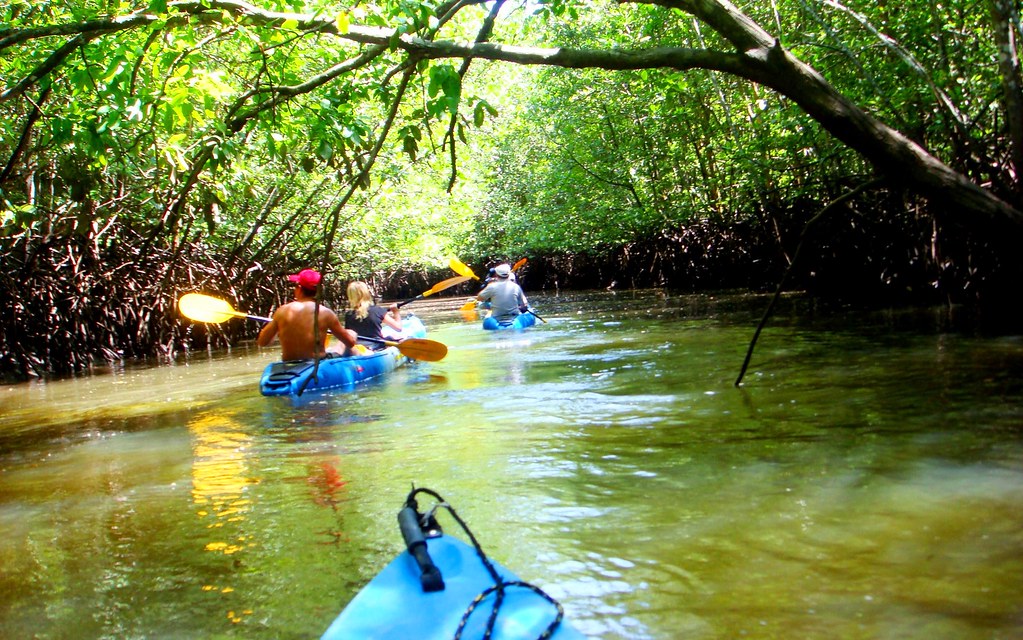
column 865, row 482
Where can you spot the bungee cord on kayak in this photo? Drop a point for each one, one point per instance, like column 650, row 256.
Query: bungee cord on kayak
column 427, row 523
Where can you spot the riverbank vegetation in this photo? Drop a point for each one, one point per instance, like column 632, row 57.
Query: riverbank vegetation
column 165, row 147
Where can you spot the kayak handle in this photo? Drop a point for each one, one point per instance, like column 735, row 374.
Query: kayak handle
column 430, row 576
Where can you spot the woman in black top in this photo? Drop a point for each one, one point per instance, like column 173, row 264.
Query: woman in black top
column 366, row 318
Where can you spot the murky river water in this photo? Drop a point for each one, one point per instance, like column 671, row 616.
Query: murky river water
column 865, row 482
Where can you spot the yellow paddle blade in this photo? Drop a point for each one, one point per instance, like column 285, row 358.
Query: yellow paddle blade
column 445, row 284
column 518, row 265
column 460, row 268
column 415, row 348
column 468, row 306
column 203, row 308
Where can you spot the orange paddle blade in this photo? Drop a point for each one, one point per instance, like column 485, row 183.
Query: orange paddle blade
column 421, row 349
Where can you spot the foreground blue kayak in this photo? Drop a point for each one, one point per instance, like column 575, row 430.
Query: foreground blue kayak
column 440, row 583
column 522, row 321
column 289, row 376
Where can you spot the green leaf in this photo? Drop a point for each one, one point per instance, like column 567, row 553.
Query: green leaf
column 410, row 146
column 325, row 151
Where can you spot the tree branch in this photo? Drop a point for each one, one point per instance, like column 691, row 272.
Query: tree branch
column 54, row 60
column 757, row 57
column 26, row 135
column 810, row 226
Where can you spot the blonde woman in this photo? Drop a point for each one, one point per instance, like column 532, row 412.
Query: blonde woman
column 367, row 319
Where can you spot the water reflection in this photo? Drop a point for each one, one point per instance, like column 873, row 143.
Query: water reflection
column 863, row 483
column 220, row 478
column 219, row 473
column 327, row 488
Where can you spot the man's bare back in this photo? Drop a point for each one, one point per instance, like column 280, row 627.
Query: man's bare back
column 293, row 325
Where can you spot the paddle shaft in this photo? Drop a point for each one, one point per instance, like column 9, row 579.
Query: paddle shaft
column 437, row 288
column 390, row 343
column 202, row 308
column 252, row 317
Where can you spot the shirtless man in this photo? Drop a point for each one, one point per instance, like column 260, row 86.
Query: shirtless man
column 293, row 322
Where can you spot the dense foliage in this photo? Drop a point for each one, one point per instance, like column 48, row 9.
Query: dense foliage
column 217, row 145
column 637, row 167
column 157, row 160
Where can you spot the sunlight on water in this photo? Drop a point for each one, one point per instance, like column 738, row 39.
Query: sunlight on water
column 862, row 483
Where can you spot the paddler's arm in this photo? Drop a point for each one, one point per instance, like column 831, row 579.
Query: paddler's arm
column 393, row 317
column 268, row 333
column 346, row 337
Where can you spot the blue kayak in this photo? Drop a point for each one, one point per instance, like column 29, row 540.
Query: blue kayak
column 288, row 377
column 439, row 583
column 521, row 321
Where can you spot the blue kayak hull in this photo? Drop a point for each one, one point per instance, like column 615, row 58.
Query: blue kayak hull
column 290, row 376
column 394, row 605
column 522, row 321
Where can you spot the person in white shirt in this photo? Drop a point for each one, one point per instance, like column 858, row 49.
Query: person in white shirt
column 507, row 300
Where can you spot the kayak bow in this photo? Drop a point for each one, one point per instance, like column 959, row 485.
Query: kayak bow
column 441, row 587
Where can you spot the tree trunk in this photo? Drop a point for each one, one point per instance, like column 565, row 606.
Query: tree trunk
column 889, row 151
column 1005, row 21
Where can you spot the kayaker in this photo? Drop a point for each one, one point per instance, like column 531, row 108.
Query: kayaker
column 292, row 323
column 492, row 277
column 368, row 319
column 507, row 300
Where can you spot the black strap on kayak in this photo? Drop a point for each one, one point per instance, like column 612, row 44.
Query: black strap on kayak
column 415, row 541
column 499, row 588
column 499, row 583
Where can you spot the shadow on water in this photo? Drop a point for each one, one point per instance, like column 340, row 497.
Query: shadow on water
column 862, row 483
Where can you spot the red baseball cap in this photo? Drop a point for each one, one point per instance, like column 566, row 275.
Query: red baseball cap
column 306, row 278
